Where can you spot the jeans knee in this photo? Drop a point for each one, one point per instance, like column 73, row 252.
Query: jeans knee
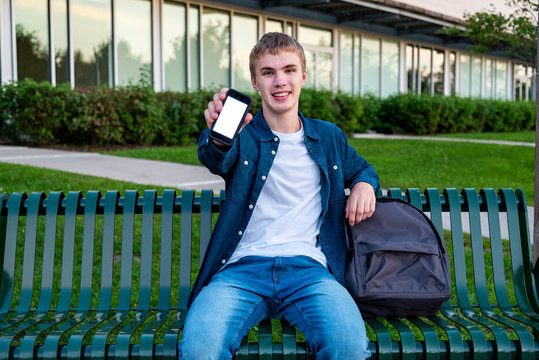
column 202, row 350
column 350, row 348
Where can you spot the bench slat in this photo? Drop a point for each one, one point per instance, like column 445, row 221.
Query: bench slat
column 51, row 343
column 53, row 204
column 75, row 343
column 473, row 323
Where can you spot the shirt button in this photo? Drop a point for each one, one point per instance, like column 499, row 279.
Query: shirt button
column 223, row 261
column 273, row 152
column 264, row 177
column 251, row 206
column 246, row 162
column 335, row 167
column 240, row 232
column 276, row 139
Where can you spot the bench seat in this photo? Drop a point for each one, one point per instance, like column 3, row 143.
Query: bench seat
column 108, row 276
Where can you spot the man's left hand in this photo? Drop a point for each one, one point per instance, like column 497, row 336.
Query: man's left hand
column 361, row 203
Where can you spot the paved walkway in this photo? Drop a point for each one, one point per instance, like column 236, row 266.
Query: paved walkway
column 138, row 171
column 173, row 175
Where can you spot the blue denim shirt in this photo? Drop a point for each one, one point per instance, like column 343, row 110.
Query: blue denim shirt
column 245, row 167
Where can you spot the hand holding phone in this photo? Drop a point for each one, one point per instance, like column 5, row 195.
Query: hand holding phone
column 232, row 115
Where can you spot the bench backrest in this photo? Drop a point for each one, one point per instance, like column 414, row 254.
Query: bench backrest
column 70, row 252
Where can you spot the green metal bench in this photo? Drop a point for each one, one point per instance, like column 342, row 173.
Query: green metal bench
column 95, row 277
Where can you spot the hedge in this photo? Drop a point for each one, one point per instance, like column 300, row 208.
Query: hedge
column 42, row 114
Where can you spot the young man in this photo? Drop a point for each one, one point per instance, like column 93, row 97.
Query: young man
column 278, row 248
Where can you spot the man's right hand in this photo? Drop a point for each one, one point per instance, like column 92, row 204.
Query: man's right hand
column 216, row 105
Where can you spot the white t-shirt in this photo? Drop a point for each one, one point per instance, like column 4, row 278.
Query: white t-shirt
column 288, row 222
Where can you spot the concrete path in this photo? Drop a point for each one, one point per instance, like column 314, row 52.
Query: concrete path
column 158, row 173
column 138, row 171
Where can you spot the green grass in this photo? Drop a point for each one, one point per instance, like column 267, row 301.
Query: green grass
column 433, row 164
column 417, row 163
column 523, row 136
column 184, row 155
column 22, row 178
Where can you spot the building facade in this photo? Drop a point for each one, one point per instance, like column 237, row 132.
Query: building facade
column 378, row 47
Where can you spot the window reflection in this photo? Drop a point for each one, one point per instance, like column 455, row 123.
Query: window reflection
column 425, row 70
column 438, row 71
column 347, row 58
column 31, row 31
column 244, row 37
column 324, row 70
column 465, row 80
column 194, row 49
column 134, row 40
column 92, row 33
column 489, row 79
column 61, row 57
column 313, row 36
column 476, row 76
column 310, row 58
column 273, row 26
column 501, row 79
column 370, row 65
column 390, row 68
column 174, row 49
column 411, row 67
column 215, row 30
column 452, row 72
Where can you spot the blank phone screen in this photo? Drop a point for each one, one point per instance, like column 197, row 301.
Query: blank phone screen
column 229, row 117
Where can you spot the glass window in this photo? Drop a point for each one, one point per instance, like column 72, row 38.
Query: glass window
column 274, row 26
column 390, row 68
column 453, row 72
column 92, row 32
column 194, row 47
column 410, row 67
column 289, row 29
column 520, row 81
column 32, row 34
column 346, row 64
column 489, row 79
column 501, row 80
column 324, row 69
column 216, row 42
column 465, row 67
column 174, row 46
column 438, row 71
column 244, row 37
column 310, row 59
column 531, row 83
column 133, row 39
column 313, row 36
column 357, row 65
column 425, row 70
column 476, row 76
column 370, row 65
column 61, row 57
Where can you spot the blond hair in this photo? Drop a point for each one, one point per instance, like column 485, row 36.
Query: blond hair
column 274, row 43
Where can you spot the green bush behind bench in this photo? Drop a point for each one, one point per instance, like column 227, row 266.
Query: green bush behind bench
column 42, row 114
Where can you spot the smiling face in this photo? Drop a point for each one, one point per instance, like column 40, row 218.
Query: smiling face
column 279, row 79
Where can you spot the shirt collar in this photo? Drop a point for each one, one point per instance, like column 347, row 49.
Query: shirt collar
column 267, row 135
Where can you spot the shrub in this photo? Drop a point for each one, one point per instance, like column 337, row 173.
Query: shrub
column 42, row 114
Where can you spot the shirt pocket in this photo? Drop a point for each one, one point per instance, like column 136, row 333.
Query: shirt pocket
column 240, row 184
column 336, row 183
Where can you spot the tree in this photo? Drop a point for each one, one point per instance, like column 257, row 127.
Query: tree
column 516, row 34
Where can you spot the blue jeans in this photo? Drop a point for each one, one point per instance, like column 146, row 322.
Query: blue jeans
column 297, row 288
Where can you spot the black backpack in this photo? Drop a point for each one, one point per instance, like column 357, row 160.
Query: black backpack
column 397, row 263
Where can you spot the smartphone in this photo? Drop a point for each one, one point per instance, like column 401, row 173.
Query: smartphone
column 228, row 123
